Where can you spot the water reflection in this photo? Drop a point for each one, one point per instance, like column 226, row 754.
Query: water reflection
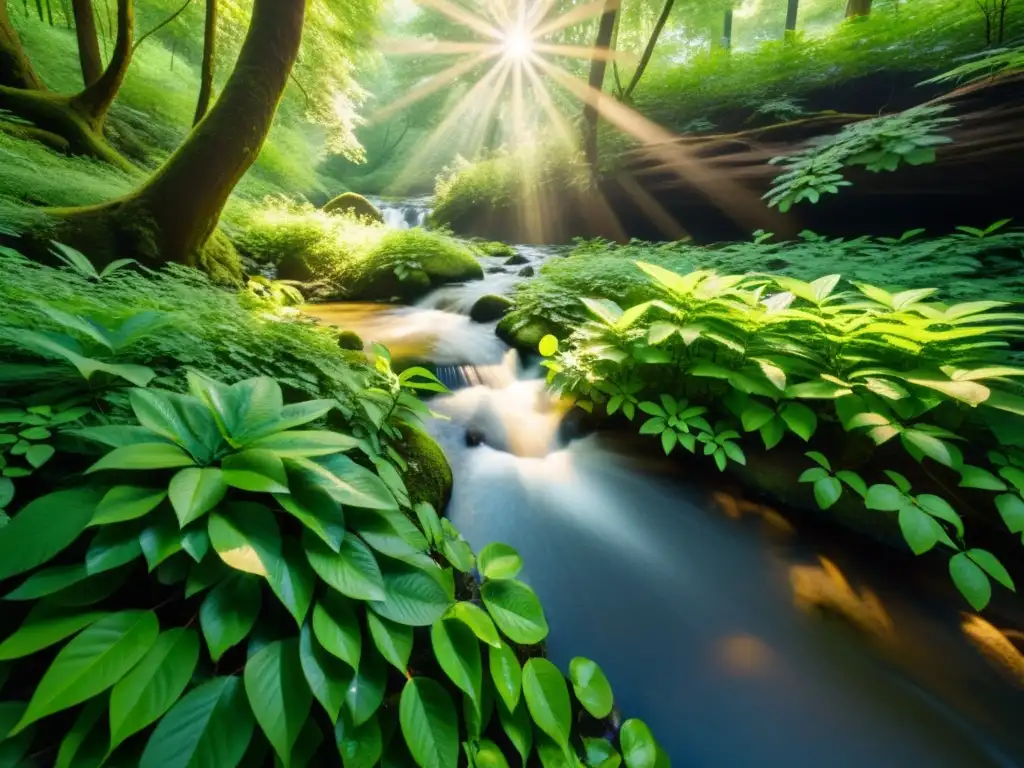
column 824, row 588
column 997, row 647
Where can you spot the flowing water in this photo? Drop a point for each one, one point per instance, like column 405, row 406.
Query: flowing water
column 741, row 639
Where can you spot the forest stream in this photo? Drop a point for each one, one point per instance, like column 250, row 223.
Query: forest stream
column 740, row 640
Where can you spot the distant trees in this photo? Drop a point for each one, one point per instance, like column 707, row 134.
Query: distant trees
column 598, row 66
column 858, row 8
column 994, row 14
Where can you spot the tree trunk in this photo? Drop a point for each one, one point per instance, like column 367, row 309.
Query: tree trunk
column 94, row 102
column 172, row 215
column 791, row 10
column 858, row 8
column 88, row 41
column 206, row 72
column 727, row 30
column 598, row 66
column 15, row 69
column 649, row 50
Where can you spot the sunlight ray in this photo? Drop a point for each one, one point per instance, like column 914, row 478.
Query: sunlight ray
column 584, row 52
column 575, row 16
column 469, row 19
column 432, row 85
column 405, row 46
column 539, row 11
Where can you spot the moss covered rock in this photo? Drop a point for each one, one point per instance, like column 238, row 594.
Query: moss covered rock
column 350, row 340
column 516, row 260
column 526, row 336
column 429, row 477
column 351, row 203
column 489, row 308
column 494, row 248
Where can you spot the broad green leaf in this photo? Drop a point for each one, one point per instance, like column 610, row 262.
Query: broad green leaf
column 246, row 537
column 180, row 418
column 591, row 687
column 91, row 589
column 1011, row 509
column 278, row 694
column 205, row 574
column 459, row 554
column 800, row 419
column 938, row 507
column 853, row 480
column 920, row 530
column 43, row 528
column 412, row 596
column 48, row 581
column 144, row 456
column 991, row 565
column 255, row 470
column 971, row 580
column 506, row 674
column 518, row 727
column 13, row 748
column 43, row 626
column 366, row 691
column 112, row 547
column 37, row 455
column 315, row 509
column 228, row 614
column 429, row 522
column 296, row 444
column 930, row 446
column 827, row 491
column 547, row 697
column 516, row 610
column 429, row 724
column 359, row 747
column 388, row 532
column 154, row 684
column 328, row 678
column 336, row 627
column 347, row 482
column 210, row 727
column 84, row 743
column 160, row 539
column 499, row 561
column 488, row 755
column 976, row 477
column 458, row 652
column 126, row 502
column 394, row 641
column 292, row 579
column 92, row 662
column 885, row 498
column 242, row 408
column 639, row 749
column 552, row 755
column 478, row 715
column 196, row 542
column 353, row 570
column 477, row 619
column 194, row 492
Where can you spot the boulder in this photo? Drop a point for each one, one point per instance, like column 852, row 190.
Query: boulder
column 351, row 203
column 350, row 340
column 489, row 308
column 429, row 477
column 494, row 248
column 525, row 336
column 496, row 271
column 516, row 260
column 526, row 271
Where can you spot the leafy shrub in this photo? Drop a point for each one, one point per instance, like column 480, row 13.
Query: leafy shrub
column 879, row 144
column 714, row 359
column 1000, row 61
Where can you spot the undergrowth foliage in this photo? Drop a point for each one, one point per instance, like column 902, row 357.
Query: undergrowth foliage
column 199, row 571
column 722, row 365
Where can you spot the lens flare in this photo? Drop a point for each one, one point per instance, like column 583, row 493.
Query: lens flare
column 517, row 44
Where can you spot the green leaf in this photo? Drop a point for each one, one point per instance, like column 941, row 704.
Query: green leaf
column 971, row 580
column 38, row 455
column 488, row 755
column 591, row 687
column 430, row 522
column 328, row 678
column 92, row 662
column 518, row 727
column 547, row 697
column 458, row 652
column 13, row 748
column 255, row 470
column 885, row 498
column 43, row 528
column 278, row 694
column 291, row 579
column 506, row 674
column 210, row 726
column 930, row 446
column 639, row 749
column 84, row 743
column 800, row 419
column 820, row 459
column 160, row 539
column 112, row 547
column 755, row 415
column 295, row 444
column 991, row 565
column 976, row 477
column 152, row 687
column 429, row 724
column 180, row 418
column 228, row 614
column 812, row 475
column 601, row 754
column 827, row 491
column 336, row 626
column 194, row 492
column 940, row 508
column 366, row 692
column 126, row 502
column 389, row 532
column 47, row 582
column 1011, row 509
column 548, row 346
column 347, row 482
column 246, row 537
column 353, row 570
column 359, row 747
column 196, row 541
column 144, row 456
column 394, row 641
column 412, row 596
column 43, row 626
column 853, row 480
column 499, row 561
column 477, row 619
column 313, row 507
column 516, row 610
column 920, row 530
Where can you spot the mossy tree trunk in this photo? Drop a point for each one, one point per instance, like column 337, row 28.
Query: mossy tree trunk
column 88, row 42
column 598, row 66
column 171, row 217
column 206, row 72
column 15, row 69
column 792, row 8
column 77, row 120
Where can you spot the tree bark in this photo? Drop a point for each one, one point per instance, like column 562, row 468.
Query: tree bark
column 88, row 41
column 727, row 30
column 206, row 71
column 15, row 69
column 171, row 217
column 94, row 102
column 791, row 10
column 645, row 59
column 598, row 65
column 858, row 8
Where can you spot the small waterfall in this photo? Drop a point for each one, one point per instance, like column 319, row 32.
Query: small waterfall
column 403, row 214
